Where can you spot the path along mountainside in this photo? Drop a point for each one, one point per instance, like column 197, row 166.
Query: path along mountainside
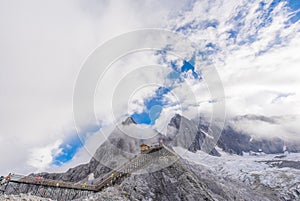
column 183, row 180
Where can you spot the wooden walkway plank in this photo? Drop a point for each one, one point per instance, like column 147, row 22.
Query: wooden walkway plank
column 125, row 170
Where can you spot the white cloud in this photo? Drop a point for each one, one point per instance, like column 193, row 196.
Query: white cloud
column 40, row 158
column 126, row 84
column 44, row 44
column 257, row 65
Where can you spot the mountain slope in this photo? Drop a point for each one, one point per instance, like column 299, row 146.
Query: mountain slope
column 190, row 178
column 264, row 173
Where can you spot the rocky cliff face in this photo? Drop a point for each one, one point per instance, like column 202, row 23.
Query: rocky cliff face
column 189, row 134
column 236, row 142
column 119, row 148
column 123, row 144
column 182, row 180
column 187, row 181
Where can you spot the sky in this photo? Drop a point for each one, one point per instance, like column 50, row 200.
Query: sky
column 252, row 44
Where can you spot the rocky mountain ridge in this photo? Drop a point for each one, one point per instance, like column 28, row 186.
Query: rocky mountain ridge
column 231, row 140
column 183, row 180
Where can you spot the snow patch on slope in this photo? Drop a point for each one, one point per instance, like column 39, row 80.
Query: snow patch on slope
column 252, row 170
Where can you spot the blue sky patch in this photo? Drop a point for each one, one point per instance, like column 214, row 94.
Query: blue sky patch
column 155, row 104
column 71, row 145
column 295, row 6
column 187, row 66
column 232, row 34
column 153, row 108
column 211, row 23
column 69, row 149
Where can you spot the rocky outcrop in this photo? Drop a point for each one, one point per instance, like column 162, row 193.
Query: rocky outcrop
column 128, row 121
column 190, row 135
column 119, row 148
column 182, row 180
column 237, row 142
column 23, row 197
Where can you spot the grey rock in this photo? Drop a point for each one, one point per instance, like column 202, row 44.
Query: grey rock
column 183, row 180
column 190, row 135
column 237, row 142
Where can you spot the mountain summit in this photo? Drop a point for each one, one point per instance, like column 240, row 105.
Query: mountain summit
column 189, row 178
column 128, row 121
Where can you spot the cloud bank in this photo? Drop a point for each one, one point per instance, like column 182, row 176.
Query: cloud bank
column 253, row 45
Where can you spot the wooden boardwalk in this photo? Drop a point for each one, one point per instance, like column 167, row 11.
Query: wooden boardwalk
column 137, row 163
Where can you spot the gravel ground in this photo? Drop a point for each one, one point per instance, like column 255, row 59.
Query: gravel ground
column 22, row 197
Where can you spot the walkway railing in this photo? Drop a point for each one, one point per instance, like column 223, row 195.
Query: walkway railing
column 114, row 176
